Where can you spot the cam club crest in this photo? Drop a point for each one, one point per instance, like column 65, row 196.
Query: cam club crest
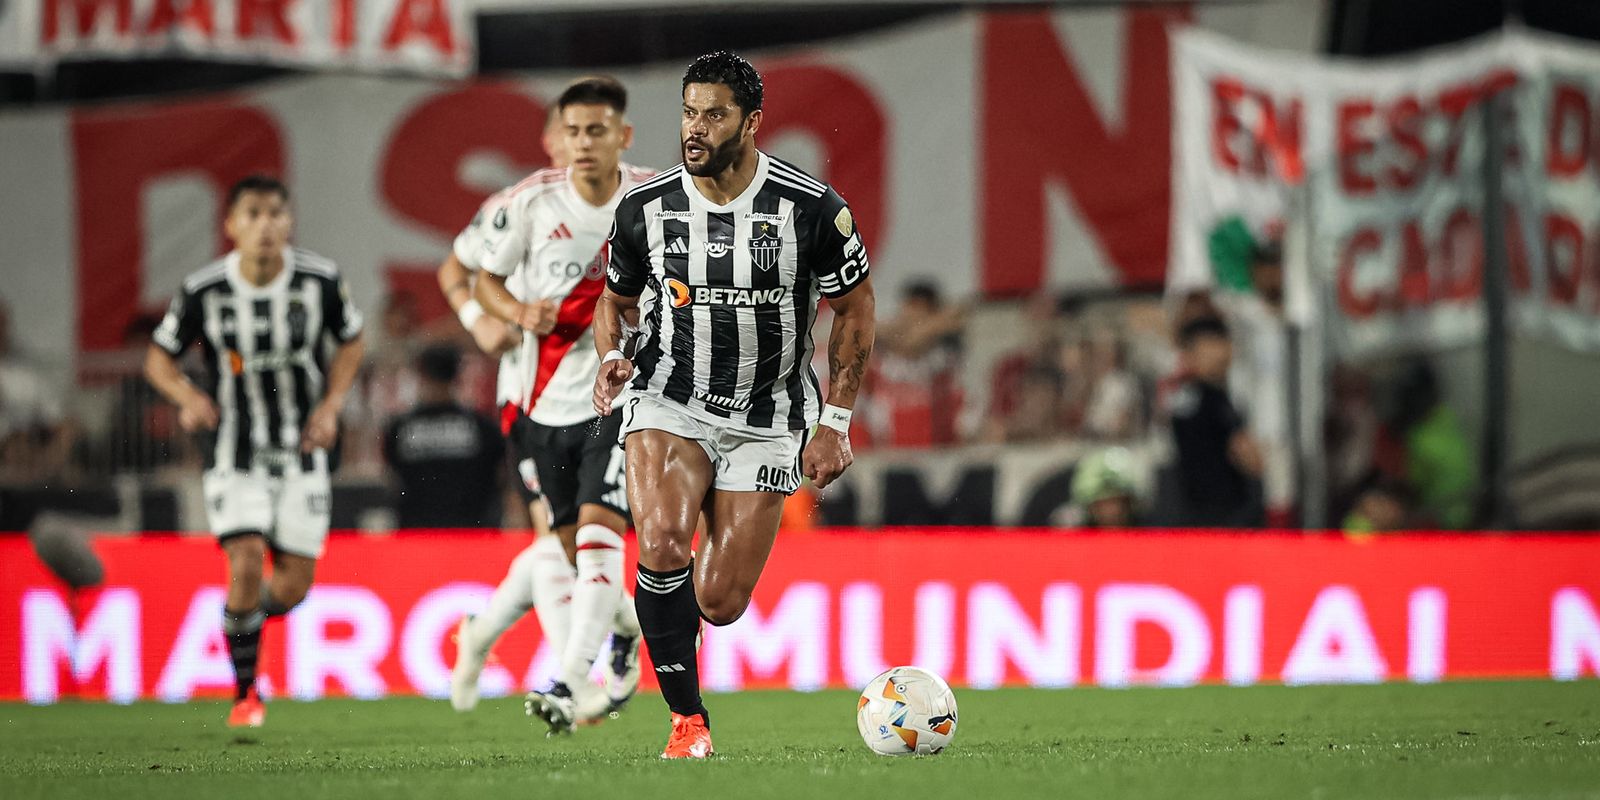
column 298, row 321
column 765, row 245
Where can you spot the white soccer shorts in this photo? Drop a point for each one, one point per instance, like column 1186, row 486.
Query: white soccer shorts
column 291, row 511
column 744, row 461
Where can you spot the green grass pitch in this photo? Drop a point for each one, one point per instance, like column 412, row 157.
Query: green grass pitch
column 1455, row 740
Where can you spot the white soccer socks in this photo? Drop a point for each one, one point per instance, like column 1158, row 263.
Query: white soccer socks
column 552, row 578
column 511, row 599
column 626, row 621
column 595, row 597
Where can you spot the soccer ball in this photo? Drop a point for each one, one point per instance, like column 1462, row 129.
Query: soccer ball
column 906, row 711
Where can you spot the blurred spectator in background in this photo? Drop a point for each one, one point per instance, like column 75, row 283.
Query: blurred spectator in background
column 1018, row 407
column 1104, row 493
column 1218, row 461
column 1260, row 375
column 1384, row 506
column 388, row 386
column 1037, row 411
column 1350, row 435
column 1113, row 405
column 1193, row 305
column 447, row 458
column 392, row 380
column 143, row 434
column 1440, row 467
column 918, row 377
column 36, row 436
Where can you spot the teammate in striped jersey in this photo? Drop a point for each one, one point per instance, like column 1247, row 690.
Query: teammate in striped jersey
column 267, row 316
column 548, row 239
column 727, row 255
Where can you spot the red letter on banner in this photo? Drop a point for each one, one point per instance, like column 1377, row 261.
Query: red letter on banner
column 1354, row 145
column 1568, row 153
column 1041, row 127
column 1461, row 257
column 421, row 167
column 1225, row 125
column 844, row 118
column 196, row 16
column 1357, row 306
column 88, row 13
column 1416, row 285
column 420, row 175
column 1280, row 135
column 117, row 152
column 1517, row 250
column 1454, row 102
column 1405, row 125
column 1563, row 245
column 428, row 20
column 272, row 14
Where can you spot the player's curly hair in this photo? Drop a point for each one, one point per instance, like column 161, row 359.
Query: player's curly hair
column 729, row 70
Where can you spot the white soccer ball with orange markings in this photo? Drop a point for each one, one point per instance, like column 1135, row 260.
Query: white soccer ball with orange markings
column 907, row 711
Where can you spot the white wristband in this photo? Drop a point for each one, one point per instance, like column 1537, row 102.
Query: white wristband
column 836, row 418
column 469, row 313
column 614, row 355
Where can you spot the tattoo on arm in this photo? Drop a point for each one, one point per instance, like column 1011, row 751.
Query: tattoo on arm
column 847, row 364
column 608, row 325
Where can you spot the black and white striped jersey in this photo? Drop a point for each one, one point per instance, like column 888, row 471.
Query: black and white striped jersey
column 730, row 291
column 265, row 354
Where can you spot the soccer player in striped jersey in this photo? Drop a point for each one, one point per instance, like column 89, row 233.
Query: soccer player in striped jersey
column 727, row 256
column 543, row 268
column 267, row 317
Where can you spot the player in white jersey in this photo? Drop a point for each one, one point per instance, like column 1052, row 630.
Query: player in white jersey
column 547, row 244
column 541, row 576
column 268, row 406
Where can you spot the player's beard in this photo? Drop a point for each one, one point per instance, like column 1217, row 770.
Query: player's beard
column 718, row 157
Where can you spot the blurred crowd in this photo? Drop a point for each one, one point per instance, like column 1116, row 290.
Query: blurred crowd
column 1175, row 406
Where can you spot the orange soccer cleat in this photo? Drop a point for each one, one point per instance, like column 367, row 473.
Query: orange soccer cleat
column 248, row 712
column 690, row 737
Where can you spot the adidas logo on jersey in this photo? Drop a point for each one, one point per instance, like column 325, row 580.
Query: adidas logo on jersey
column 677, row 246
column 560, row 232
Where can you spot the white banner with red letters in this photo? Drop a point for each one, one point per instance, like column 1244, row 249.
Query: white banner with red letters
column 1558, row 121
column 1391, row 157
column 430, row 37
column 106, row 207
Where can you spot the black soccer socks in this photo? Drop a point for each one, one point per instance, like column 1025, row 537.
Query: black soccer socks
column 669, row 617
column 270, row 605
column 243, row 632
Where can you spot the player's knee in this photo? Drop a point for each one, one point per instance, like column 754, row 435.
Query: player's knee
column 245, row 550
column 247, row 557
column 664, row 542
column 245, row 569
column 664, row 552
column 724, row 608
